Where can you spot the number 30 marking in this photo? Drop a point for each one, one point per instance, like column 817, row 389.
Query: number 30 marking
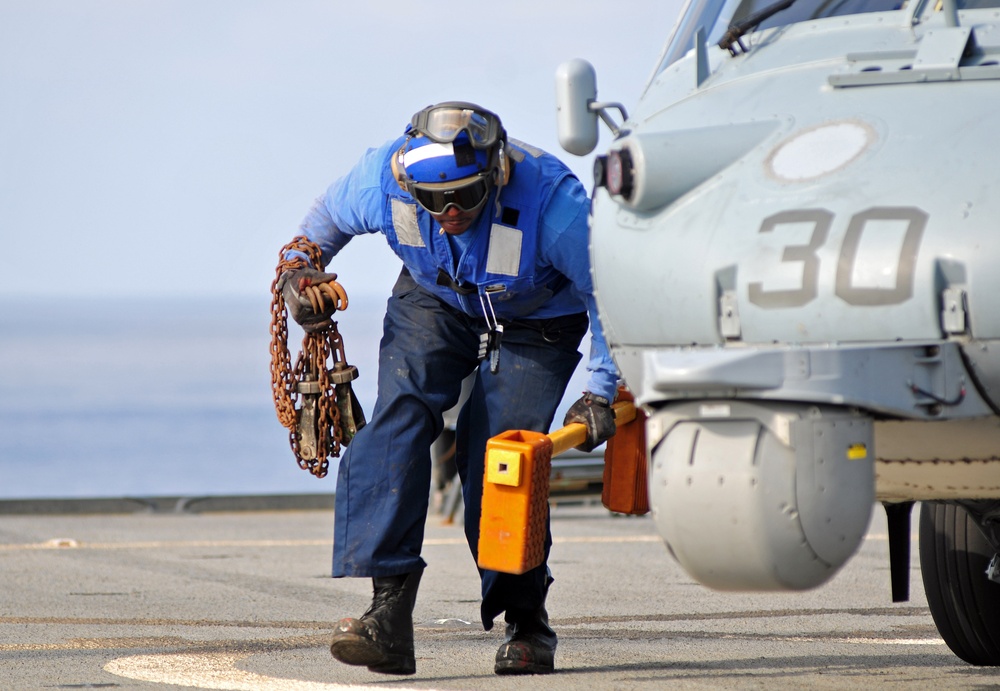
column 806, row 254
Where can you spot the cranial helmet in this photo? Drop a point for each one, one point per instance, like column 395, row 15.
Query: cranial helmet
column 427, row 161
column 453, row 156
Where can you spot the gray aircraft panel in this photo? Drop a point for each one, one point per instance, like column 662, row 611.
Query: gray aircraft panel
column 795, row 249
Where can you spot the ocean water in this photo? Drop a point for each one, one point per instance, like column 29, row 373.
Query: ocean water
column 109, row 398
column 157, row 397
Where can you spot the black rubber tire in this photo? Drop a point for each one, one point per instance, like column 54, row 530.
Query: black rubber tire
column 964, row 603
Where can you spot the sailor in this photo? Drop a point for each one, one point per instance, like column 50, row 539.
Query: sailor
column 493, row 238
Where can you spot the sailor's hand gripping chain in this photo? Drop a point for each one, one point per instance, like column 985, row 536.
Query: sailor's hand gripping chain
column 328, row 413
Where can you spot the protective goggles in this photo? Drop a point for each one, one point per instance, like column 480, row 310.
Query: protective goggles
column 468, row 197
column 443, row 123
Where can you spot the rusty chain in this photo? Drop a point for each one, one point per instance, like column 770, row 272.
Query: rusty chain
column 310, row 376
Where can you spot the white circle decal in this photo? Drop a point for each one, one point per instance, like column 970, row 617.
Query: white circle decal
column 819, row 151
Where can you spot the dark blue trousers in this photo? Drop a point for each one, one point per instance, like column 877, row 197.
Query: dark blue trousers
column 383, row 486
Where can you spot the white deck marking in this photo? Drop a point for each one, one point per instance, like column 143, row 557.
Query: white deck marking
column 215, row 671
column 218, row 670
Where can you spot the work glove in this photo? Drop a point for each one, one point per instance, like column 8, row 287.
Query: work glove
column 311, row 297
column 595, row 412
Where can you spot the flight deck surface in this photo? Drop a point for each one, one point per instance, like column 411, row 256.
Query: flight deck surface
column 241, row 599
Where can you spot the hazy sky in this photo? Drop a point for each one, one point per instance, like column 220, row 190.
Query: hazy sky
column 171, row 148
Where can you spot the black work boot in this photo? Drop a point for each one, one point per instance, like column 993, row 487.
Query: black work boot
column 382, row 639
column 530, row 647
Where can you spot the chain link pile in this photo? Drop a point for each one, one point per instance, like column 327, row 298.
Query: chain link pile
column 311, row 365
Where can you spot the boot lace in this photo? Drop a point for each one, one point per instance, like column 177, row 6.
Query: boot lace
column 384, row 599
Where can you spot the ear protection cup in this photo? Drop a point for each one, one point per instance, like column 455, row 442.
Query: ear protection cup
column 501, row 175
column 396, row 163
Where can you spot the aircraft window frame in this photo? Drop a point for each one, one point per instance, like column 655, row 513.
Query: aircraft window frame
column 682, row 40
column 794, row 14
column 720, row 25
column 715, row 16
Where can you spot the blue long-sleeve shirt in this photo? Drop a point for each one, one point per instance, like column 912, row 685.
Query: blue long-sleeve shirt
column 361, row 202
